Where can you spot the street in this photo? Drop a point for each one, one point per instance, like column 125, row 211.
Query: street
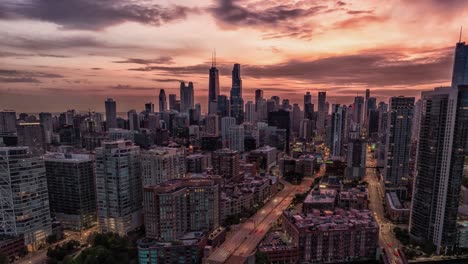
column 386, row 236
column 244, row 242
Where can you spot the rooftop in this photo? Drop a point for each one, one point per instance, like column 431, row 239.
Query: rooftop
column 338, row 219
column 321, row 196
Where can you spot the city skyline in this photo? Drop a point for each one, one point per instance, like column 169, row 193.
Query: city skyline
column 54, row 60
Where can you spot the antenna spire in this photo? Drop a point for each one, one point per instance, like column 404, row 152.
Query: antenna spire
column 461, row 31
column 215, row 57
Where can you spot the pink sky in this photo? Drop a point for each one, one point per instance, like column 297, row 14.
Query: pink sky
column 58, row 55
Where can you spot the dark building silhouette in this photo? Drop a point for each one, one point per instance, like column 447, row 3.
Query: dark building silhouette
column 281, row 119
column 237, row 102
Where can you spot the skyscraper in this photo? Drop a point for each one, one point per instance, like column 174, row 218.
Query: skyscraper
column 358, row 110
column 111, row 114
column 250, row 114
column 212, row 125
column 179, row 206
column 237, row 102
column 149, row 108
column 441, row 157
column 213, row 86
column 72, row 190
column 338, row 123
column 397, row 151
column 258, row 97
column 24, row 199
column 133, row 120
column 172, row 102
column 48, row 125
column 119, row 187
column 236, row 138
column 7, row 121
column 162, row 164
column 226, row 124
column 32, row 135
column 322, row 112
column 162, row 101
column 460, row 65
column 281, row 119
column 223, row 106
column 226, row 163
column 186, row 97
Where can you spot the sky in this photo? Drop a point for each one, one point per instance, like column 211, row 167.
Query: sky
column 57, row 55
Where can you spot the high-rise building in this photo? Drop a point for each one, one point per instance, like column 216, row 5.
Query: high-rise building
column 223, row 106
column 162, row 164
column 25, row 201
column 32, row 135
column 460, row 65
column 47, row 123
column 398, row 145
column 356, row 154
column 72, row 190
column 236, row 138
column 297, row 116
column 149, row 108
column 111, row 114
column 212, row 125
column 338, row 124
column 186, row 97
column 441, row 157
column 226, row 163
column 322, row 112
column 250, row 114
column 162, row 101
column 237, row 102
column 178, row 206
column 7, row 121
column 226, row 124
column 133, row 120
column 358, row 110
column 281, row 120
column 258, row 97
column 172, row 102
column 213, row 87
column 119, row 187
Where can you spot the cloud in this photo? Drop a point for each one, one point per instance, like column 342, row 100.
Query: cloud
column 283, row 19
column 167, row 80
column 159, row 60
column 27, row 74
column 92, row 14
column 130, row 88
column 359, row 21
column 96, row 69
column 19, row 80
column 383, row 67
column 6, row 54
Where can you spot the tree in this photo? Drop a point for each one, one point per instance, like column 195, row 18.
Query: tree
column 261, row 257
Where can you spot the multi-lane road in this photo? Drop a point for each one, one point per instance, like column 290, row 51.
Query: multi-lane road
column 244, row 242
column 387, row 239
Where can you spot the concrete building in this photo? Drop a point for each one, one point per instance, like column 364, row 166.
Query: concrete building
column 24, row 199
column 226, row 124
column 440, row 165
column 319, row 199
column 398, row 145
column 72, row 190
column 397, row 212
column 186, row 97
column 111, row 113
column 250, row 114
column 32, row 135
column 177, row 206
column 263, row 157
column 226, row 163
column 236, row 138
column 197, row 163
column 354, row 198
column 119, row 187
column 187, row 248
column 333, row 236
column 162, row 164
column 7, row 121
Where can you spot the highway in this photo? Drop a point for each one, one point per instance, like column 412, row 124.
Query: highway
column 244, row 242
column 387, row 239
